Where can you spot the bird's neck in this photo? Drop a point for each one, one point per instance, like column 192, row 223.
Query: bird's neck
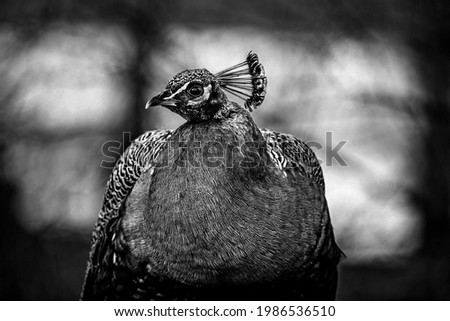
column 232, row 141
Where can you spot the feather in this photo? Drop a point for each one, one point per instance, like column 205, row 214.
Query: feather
column 246, row 80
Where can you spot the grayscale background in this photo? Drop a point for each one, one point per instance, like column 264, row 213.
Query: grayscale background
column 374, row 74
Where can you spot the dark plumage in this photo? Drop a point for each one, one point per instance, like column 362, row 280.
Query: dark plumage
column 216, row 209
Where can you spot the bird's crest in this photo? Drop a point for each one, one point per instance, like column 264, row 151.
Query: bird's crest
column 246, row 80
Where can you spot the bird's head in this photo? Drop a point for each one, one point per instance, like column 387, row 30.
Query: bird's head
column 197, row 94
column 193, row 94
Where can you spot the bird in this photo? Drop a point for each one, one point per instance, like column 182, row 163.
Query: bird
column 217, row 209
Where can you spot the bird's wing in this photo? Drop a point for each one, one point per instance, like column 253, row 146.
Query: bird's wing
column 294, row 157
column 138, row 158
column 291, row 155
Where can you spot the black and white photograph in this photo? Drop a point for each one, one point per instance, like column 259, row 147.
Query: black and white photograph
column 263, row 151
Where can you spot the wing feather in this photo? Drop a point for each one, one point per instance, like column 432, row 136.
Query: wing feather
column 291, row 155
column 138, row 158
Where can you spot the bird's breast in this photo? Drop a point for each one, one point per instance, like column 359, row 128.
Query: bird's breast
column 205, row 216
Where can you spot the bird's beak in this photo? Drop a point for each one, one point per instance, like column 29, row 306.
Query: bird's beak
column 164, row 98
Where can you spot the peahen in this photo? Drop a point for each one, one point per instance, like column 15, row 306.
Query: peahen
column 217, row 209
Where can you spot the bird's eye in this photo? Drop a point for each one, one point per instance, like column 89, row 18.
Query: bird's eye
column 196, row 90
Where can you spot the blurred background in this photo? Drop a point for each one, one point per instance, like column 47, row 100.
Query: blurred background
column 367, row 79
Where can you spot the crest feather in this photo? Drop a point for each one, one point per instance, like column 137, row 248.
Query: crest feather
column 246, row 80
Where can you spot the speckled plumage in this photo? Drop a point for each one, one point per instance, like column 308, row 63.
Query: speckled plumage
column 216, row 209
